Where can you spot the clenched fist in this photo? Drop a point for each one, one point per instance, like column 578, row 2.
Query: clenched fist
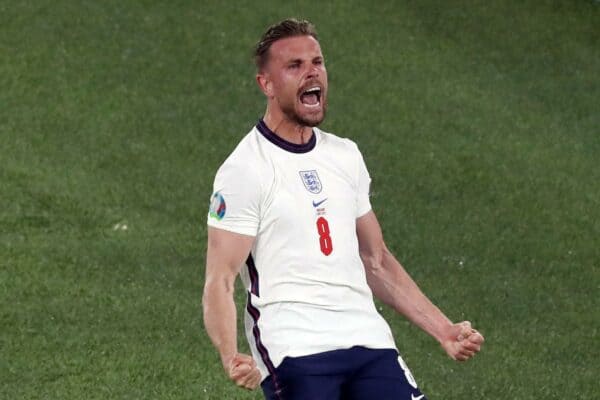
column 242, row 369
column 462, row 341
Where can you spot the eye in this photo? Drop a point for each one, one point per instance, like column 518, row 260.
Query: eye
column 294, row 65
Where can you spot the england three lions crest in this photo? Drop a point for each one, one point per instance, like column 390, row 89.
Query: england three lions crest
column 311, row 181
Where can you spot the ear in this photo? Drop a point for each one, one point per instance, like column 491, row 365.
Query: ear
column 265, row 84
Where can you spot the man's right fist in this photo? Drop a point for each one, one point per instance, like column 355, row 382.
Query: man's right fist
column 243, row 371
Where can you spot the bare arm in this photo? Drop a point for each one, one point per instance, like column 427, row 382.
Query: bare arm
column 225, row 255
column 391, row 284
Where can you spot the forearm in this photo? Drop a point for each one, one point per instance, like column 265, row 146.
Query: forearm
column 392, row 285
column 220, row 319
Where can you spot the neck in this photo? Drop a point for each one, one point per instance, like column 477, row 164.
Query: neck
column 288, row 130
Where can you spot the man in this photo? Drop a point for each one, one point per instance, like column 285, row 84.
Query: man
column 291, row 214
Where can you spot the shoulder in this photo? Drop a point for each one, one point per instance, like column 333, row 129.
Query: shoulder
column 249, row 154
column 339, row 145
column 247, row 149
column 244, row 162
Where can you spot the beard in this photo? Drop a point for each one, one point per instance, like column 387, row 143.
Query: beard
column 308, row 119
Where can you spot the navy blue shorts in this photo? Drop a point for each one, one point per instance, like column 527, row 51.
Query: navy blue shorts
column 350, row 374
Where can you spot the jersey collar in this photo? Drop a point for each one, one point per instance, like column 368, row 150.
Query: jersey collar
column 284, row 144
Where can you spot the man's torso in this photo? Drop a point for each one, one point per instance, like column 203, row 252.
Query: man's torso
column 307, row 291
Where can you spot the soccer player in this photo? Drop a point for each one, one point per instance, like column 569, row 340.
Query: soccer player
column 290, row 214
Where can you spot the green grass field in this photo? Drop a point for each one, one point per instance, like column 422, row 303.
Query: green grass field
column 480, row 124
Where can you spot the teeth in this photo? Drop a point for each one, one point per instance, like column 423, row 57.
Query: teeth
column 316, row 90
column 313, row 89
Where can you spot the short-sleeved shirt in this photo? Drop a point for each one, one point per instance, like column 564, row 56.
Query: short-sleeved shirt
column 307, row 291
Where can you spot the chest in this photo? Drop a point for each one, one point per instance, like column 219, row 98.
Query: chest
column 307, row 188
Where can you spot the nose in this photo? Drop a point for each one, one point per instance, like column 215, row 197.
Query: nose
column 313, row 72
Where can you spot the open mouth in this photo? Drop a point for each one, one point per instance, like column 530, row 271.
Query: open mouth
column 311, row 97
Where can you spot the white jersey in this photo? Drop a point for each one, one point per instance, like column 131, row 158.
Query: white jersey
column 306, row 284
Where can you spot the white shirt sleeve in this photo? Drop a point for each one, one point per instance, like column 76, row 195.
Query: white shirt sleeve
column 235, row 202
column 363, row 204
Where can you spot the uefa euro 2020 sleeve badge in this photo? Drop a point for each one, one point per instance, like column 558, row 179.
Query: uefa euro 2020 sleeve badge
column 217, row 206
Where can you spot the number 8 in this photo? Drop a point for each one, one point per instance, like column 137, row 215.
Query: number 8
column 324, row 238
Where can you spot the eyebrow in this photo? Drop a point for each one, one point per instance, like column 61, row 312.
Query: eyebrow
column 300, row 61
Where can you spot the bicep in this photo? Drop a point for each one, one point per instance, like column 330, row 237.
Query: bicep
column 226, row 253
column 370, row 238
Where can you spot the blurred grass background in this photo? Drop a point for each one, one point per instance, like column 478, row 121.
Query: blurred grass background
column 479, row 122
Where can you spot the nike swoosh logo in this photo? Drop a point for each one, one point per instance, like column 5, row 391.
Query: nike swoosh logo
column 412, row 396
column 317, row 204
